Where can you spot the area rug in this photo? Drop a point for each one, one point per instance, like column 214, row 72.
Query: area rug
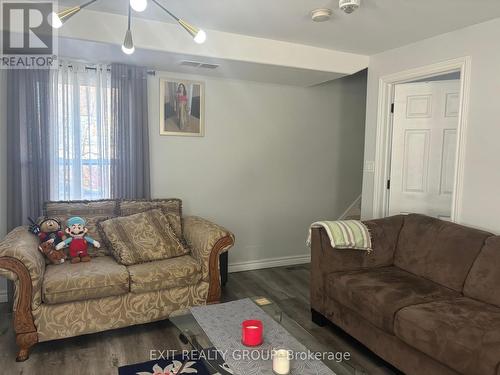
column 169, row 366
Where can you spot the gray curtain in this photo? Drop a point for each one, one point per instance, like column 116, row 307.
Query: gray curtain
column 130, row 176
column 27, row 144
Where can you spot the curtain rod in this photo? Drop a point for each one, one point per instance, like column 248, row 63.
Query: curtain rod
column 150, row 72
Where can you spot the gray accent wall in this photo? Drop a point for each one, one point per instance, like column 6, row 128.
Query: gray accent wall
column 274, row 159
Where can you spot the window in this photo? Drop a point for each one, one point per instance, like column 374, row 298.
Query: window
column 81, row 133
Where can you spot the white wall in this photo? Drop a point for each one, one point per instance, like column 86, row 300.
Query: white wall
column 3, row 173
column 480, row 206
column 274, row 159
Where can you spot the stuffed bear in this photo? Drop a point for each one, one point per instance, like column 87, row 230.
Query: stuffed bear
column 78, row 240
column 48, row 249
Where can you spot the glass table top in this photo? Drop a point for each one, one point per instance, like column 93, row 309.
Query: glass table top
column 191, row 334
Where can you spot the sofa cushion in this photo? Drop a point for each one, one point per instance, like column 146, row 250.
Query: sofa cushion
column 377, row 294
column 142, row 237
column 101, row 277
column 438, row 250
column 484, row 276
column 164, row 274
column 91, row 211
column 464, row 334
column 171, row 206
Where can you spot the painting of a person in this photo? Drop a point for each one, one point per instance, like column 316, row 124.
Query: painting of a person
column 182, row 106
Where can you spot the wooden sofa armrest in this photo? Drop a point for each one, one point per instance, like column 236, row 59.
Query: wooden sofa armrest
column 22, row 262
column 326, row 260
column 207, row 241
column 24, row 326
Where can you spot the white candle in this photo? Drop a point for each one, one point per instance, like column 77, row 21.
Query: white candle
column 281, row 362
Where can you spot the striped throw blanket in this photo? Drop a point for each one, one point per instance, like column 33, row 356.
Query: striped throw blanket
column 345, row 234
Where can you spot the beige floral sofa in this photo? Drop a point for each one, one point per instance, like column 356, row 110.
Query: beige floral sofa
column 59, row 301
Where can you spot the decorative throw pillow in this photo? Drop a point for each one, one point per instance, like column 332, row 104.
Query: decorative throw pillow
column 171, row 207
column 141, row 237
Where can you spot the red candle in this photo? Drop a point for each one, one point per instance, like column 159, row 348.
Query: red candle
column 251, row 334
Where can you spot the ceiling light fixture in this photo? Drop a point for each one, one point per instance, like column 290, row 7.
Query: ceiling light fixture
column 321, row 14
column 199, row 36
column 56, row 20
column 128, row 43
column 139, row 5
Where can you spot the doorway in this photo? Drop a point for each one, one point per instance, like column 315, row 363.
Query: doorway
column 424, row 144
column 420, row 153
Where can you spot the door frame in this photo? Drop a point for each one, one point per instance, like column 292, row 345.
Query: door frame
column 384, row 129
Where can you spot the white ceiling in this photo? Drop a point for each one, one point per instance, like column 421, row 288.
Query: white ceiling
column 377, row 26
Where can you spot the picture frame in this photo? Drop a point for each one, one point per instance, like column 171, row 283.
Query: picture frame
column 182, row 107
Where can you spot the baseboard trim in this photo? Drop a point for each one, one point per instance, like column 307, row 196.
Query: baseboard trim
column 3, row 296
column 269, row 263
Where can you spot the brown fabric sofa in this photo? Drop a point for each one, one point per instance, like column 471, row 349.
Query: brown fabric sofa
column 427, row 299
column 59, row 301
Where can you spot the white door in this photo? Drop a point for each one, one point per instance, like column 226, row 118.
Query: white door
column 424, row 143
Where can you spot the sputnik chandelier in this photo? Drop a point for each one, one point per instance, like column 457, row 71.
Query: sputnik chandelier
column 58, row 19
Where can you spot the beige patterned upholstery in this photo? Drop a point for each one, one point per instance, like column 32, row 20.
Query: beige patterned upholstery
column 95, row 315
column 175, row 222
column 22, row 245
column 164, row 274
column 102, row 277
column 142, row 237
column 201, row 235
column 102, row 294
column 134, row 206
column 172, row 207
column 91, row 211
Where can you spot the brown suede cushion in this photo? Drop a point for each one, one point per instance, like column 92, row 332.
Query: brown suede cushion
column 142, row 237
column 377, row 294
column 438, row 250
column 464, row 334
column 483, row 280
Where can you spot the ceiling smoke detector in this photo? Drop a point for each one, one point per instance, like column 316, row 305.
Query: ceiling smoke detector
column 349, row 6
column 321, row 15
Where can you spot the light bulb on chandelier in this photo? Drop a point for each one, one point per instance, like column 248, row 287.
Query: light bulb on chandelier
column 54, row 20
column 200, row 37
column 139, row 5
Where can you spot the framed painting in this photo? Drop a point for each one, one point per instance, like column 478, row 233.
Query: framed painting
column 182, row 107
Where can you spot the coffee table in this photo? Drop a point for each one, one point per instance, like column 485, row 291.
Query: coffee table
column 192, row 334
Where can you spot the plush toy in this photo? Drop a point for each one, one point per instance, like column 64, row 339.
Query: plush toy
column 48, row 229
column 48, row 249
column 78, row 240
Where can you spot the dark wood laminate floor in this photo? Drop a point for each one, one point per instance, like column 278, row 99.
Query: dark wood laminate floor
column 103, row 353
